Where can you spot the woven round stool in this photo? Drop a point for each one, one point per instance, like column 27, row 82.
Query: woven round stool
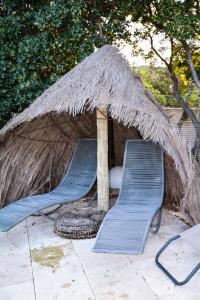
column 79, row 223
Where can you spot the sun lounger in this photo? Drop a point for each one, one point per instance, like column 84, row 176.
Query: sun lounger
column 125, row 227
column 78, row 181
column 192, row 237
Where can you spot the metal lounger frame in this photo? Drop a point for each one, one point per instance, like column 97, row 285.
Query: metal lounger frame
column 170, row 276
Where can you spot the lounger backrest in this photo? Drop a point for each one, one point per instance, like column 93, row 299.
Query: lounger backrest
column 143, row 173
column 83, row 164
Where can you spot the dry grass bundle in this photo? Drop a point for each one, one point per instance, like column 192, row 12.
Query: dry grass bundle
column 191, row 200
column 174, row 190
column 103, row 78
column 35, row 157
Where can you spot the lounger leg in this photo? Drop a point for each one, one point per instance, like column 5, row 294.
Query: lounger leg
column 155, row 226
column 94, row 197
column 48, row 213
column 46, row 216
column 174, row 280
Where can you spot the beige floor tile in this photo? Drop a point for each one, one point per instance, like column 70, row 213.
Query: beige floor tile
column 15, row 269
column 23, row 291
column 65, row 280
column 119, row 282
column 71, row 271
column 91, row 260
column 15, row 240
column 41, row 233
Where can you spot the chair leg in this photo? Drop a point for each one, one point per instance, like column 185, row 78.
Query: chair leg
column 174, row 280
column 155, row 226
column 39, row 214
column 46, row 216
column 94, row 197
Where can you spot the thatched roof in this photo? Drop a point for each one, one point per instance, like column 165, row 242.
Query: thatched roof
column 103, row 78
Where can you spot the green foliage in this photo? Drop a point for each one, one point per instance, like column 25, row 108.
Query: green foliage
column 176, row 18
column 157, row 81
column 177, row 21
column 181, row 65
column 42, row 40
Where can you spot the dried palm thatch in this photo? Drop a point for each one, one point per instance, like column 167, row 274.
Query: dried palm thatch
column 35, row 145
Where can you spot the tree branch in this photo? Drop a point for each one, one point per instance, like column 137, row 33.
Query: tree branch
column 172, row 50
column 191, row 64
column 174, row 79
column 184, row 115
column 157, row 53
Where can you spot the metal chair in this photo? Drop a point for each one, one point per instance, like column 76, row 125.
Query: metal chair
column 192, row 237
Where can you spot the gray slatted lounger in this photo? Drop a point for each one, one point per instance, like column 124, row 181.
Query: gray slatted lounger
column 78, row 181
column 126, row 225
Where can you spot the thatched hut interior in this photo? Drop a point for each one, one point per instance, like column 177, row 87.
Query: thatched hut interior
column 42, row 150
column 36, row 145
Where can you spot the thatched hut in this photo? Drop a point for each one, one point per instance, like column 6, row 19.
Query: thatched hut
column 36, row 145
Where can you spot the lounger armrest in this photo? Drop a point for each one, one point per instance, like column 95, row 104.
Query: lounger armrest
column 174, row 280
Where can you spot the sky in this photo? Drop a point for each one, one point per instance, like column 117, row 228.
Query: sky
column 126, row 50
column 159, row 41
column 133, row 60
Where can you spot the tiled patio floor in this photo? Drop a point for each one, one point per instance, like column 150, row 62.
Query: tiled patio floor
column 37, row 264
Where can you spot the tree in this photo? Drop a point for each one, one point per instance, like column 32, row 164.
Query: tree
column 42, row 40
column 157, row 81
column 179, row 22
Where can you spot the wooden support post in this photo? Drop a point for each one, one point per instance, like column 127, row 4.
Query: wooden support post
column 102, row 159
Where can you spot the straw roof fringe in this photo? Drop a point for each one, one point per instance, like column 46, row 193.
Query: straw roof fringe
column 105, row 79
